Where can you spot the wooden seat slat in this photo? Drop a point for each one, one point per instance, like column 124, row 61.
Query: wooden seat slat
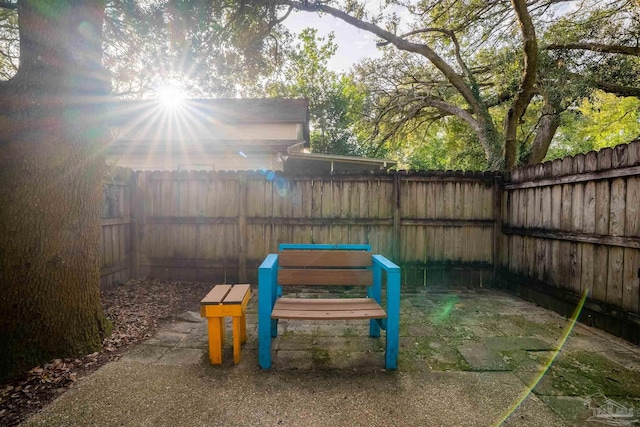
column 327, row 315
column 216, row 295
column 324, row 258
column 326, row 304
column 330, row 309
column 325, row 277
column 237, row 294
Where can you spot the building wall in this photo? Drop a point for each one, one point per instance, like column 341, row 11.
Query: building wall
column 220, row 147
column 185, row 161
column 212, row 131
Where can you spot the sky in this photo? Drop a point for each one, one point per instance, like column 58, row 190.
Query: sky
column 353, row 44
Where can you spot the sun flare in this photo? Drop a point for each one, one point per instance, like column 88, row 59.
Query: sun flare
column 170, row 96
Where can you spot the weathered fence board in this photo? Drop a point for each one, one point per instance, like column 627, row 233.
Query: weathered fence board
column 583, row 215
column 115, row 241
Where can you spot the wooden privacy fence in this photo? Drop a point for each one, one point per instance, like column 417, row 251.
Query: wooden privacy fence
column 219, row 226
column 567, row 227
column 574, row 226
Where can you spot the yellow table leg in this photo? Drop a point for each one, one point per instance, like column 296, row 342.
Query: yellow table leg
column 243, row 328
column 223, row 335
column 237, row 338
column 216, row 339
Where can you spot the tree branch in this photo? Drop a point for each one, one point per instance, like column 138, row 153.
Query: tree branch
column 545, row 130
column 619, row 90
column 595, row 47
column 283, row 17
column 452, row 109
column 402, row 44
column 451, row 34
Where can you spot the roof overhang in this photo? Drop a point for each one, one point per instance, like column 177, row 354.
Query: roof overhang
column 313, row 162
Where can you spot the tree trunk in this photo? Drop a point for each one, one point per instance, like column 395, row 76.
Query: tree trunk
column 490, row 140
column 51, row 135
column 524, row 95
column 549, row 123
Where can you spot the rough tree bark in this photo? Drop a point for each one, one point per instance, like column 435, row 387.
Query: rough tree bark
column 51, row 134
column 524, row 95
column 547, row 127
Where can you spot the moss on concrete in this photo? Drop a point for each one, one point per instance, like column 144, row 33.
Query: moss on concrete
column 320, row 356
column 586, row 373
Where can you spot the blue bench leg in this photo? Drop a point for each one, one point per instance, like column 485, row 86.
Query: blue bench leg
column 375, row 292
column 393, row 335
column 264, row 332
column 267, row 291
column 374, row 328
column 393, row 321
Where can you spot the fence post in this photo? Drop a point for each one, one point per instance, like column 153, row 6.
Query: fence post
column 136, row 183
column 497, row 227
column 242, row 227
column 396, row 218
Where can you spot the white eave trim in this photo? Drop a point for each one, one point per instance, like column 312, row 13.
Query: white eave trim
column 337, row 158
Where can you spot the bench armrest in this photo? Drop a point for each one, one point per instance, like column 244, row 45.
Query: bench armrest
column 268, row 278
column 393, row 280
column 385, row 264
column 267, row 294
column 392, row 324
column 271, row 261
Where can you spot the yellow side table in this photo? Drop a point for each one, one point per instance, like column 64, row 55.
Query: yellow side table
column 223, row 301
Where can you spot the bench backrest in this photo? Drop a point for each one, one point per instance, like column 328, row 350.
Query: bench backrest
column 325, row 267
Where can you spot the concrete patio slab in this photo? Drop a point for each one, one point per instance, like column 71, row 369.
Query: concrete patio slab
column 461, row 364
column 138, row 395
column 166, row 338
column 481, row 358
column 145, row 354
column 517, row 343
column 182, row 357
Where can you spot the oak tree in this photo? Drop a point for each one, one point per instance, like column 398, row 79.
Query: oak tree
column 507, row 69
column 52, row 134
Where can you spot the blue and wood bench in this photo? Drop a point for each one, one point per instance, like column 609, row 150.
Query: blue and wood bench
column 328, row 265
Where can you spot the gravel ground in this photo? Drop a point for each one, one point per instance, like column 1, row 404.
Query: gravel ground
column 136, row 309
